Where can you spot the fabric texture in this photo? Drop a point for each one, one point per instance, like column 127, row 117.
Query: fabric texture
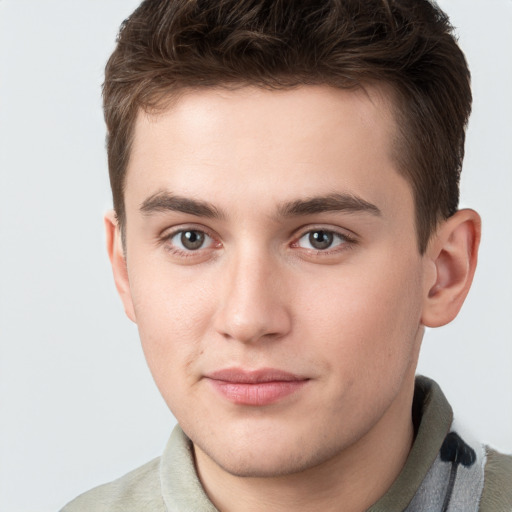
column 446, row 471
column 497, row 493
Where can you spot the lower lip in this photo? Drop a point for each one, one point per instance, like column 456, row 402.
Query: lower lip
column 258, row 393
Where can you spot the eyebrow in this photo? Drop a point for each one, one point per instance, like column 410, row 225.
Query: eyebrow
column 164, row 202
column 330, row 203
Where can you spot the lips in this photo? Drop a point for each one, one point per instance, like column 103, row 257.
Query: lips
column 255, row 387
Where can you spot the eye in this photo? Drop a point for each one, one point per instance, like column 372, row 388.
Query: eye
column 190, row 240
column 321, row 240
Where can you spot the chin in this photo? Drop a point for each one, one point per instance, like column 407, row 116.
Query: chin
column 249, row 467
column 270, row 461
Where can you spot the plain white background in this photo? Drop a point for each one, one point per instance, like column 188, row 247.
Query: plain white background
column 77, row 404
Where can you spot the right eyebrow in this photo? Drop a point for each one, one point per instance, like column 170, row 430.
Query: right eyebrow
column 164, row 201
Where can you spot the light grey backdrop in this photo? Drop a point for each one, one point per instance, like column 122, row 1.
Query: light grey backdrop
column 77, row 404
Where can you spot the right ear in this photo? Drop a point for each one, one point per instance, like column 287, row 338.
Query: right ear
column 118, row 262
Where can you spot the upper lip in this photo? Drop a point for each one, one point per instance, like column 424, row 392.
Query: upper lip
column 241, row 376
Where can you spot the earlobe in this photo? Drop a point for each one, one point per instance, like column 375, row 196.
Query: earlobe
column 453, row 252
column 118, row 262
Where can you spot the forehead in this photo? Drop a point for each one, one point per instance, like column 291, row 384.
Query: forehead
column 265, row 145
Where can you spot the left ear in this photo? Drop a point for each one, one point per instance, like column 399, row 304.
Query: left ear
column 452, row 252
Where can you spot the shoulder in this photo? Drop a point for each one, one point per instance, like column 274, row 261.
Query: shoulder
column 169, row 482
column 497, row 492
column 136, row 491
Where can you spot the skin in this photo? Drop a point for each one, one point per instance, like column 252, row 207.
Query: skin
column 348, row 318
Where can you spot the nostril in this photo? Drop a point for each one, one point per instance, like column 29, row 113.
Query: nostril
column 253, row 324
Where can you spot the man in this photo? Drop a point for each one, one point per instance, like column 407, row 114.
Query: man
column 285, row 182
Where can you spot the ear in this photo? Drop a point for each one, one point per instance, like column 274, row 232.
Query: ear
column 118, row 262
column 452, row 252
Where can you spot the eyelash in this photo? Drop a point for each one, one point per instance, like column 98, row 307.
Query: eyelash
column 165, row 240
column 348, row 241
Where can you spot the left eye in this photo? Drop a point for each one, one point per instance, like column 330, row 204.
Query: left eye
column 320, row 240
column 191, row 240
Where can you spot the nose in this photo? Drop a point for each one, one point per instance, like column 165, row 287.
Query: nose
column 253, row 302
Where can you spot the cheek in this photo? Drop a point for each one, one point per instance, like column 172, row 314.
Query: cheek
column 172, row 315
column 367, row 316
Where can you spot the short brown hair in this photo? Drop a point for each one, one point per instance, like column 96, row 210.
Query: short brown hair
column 168, row 45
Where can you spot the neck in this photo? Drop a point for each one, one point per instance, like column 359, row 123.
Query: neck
column 357, row 477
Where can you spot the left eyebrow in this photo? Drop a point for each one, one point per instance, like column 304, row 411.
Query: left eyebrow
column 330, row 203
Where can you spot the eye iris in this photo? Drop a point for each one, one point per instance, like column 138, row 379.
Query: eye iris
column 192, row 240
column 321, row 239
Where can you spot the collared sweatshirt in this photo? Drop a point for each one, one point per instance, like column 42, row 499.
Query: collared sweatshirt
column 446, row 471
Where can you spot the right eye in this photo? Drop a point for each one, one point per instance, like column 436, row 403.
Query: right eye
column 187, row 240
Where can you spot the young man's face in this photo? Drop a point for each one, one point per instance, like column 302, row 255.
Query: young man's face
column 274, row 272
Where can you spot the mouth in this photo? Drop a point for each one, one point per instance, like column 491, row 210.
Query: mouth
column 255, row 387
